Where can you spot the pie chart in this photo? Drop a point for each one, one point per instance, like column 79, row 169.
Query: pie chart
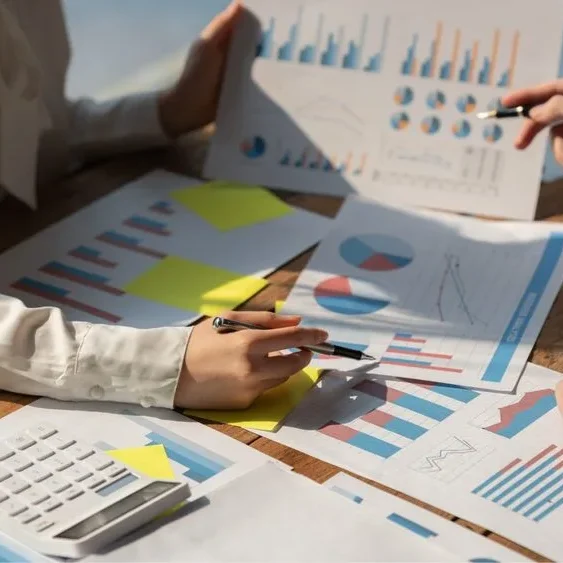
column 376, row 253
column 400, row 121
column 255, row 147
column 430, row 125
column 461, row 129
column 466, row 103
column 404, row 96
column 436, row 99
column 492, row 133
column 337, row 296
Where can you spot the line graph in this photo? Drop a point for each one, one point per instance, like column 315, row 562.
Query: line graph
column 509, row 420
column 435, row 462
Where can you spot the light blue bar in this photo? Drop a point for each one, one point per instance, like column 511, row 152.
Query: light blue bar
column 551, row 509
column 525, row 478
column 487, row 482
column 503, row 82
column 112, row 235
column 525, row 310
column 147, row 222
column 527, row 417
column 506, row 480
column 207, row 456
column 57, row 266
column 424, row 407
column 405, row 428
column 405, row 361
column 87, row 251
column 373, row 445
column 537, row 493
column 461, row 394
column 357, row 499
column 404, row 335
column 34, row 284
column 546, row 500
column 445, row 70
column 418, row 529
column 399, row 349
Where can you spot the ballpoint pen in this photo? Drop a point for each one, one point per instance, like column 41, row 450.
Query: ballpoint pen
column 327, row 349
column 503, row 113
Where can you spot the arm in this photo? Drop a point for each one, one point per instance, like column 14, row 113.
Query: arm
column 41, row 353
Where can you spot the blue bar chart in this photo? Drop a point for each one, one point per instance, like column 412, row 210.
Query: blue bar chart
column 328, row 46
column 462, row 59
column 533, row 488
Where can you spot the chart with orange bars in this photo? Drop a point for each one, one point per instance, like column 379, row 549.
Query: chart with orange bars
column 380, row 97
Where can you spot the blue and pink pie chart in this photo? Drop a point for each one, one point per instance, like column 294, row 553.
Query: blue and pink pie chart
column 254, row 147
column 376, row 252
column 338, row 295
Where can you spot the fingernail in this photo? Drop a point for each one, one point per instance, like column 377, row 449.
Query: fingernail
column 322, row 336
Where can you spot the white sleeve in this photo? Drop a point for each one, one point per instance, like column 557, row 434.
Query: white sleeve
column 99, row 129
column 41, row 353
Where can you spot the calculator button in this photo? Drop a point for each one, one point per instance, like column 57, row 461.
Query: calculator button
column 40, row 525
column 3, row 497
column 36, row 473
column 12, row 507
column 17, row 463
column 56, row 484
column 93, row 482
column 57, row 463
column 35, row 495
column 15, row 485
column 99, row 461
column 78, row 473
column 27, row 516
column 21, row 442
column 5, row 452
column 115, row 470
column 60, row 441
column 39, row 451
column 42, row 431
column 79, row 451
column 4, row 474
column 51, row 504
column 72, row 493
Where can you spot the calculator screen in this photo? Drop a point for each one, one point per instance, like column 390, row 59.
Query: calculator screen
column 111, row 513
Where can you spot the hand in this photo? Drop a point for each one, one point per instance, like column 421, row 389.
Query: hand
column 230, row 371
column 547, row 100
column 193, row 100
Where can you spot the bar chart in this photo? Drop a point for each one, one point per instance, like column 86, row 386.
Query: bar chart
column 400, row 413
column 455, row 56
column 328, row 46
column 407, row 350
column 313, row 159
column 531, row 488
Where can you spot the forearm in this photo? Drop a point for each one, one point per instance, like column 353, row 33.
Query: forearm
column 41, row 353
column 128, row 124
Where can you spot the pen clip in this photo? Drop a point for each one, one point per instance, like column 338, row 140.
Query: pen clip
column 222, row 325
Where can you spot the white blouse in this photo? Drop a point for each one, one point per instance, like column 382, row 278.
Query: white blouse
column 41, row 136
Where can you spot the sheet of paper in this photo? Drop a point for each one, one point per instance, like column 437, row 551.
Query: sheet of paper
column 150, row 460
column 194, row 286
column 227, row 205
column 493, row 459
column 433, row 296
column 272, row 407
column 205, row 458
column 379, row 97
column 460, row 543
column 86, row 263
column 271, row 515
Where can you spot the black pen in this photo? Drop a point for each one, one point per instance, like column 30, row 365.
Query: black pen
column 225, row 325
column 503, row 113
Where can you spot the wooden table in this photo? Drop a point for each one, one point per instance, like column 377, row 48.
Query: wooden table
column 18, row 223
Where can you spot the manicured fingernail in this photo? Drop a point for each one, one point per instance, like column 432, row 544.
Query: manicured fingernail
column 322, row 336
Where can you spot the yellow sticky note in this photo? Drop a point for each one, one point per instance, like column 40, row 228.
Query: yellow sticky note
column 272, row 407
column 194, row 286
column 150, row 460
column 228, row 205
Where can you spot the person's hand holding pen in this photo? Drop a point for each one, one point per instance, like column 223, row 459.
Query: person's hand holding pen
column 230, row 371
column 542, row 105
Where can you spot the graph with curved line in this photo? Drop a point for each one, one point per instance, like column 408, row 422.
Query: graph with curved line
column 434, row 462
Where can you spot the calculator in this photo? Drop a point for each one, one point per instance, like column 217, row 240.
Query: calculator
column 63, row 497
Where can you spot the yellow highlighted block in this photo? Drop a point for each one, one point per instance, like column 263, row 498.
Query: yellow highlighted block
column 152, row 461
column 269, row 410
column 194, row 286
column 228, row 205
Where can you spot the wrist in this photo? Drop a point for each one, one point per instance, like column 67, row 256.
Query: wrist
column 168, row 114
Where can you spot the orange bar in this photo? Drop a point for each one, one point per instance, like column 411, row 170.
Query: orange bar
column 414, row 67
column 437, row 45
column 455, row 53
column 363, row 164
column 494, row 56
column 513, row 57
column 348, row 162
column 473, row 60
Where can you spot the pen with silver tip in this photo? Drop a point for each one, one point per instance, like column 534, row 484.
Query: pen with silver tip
column 327, row 349
column 503, row 113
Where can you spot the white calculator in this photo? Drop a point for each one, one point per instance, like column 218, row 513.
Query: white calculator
column 63, row 497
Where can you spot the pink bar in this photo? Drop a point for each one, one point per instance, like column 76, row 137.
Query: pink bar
column 82, row 281
column 379, row 418
column 420, row 354
column 543, row 453
column 338, row 431
column 413, row 340
column 146, row 229
column 508, row 467
column 132, row 248
column 93, row 259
